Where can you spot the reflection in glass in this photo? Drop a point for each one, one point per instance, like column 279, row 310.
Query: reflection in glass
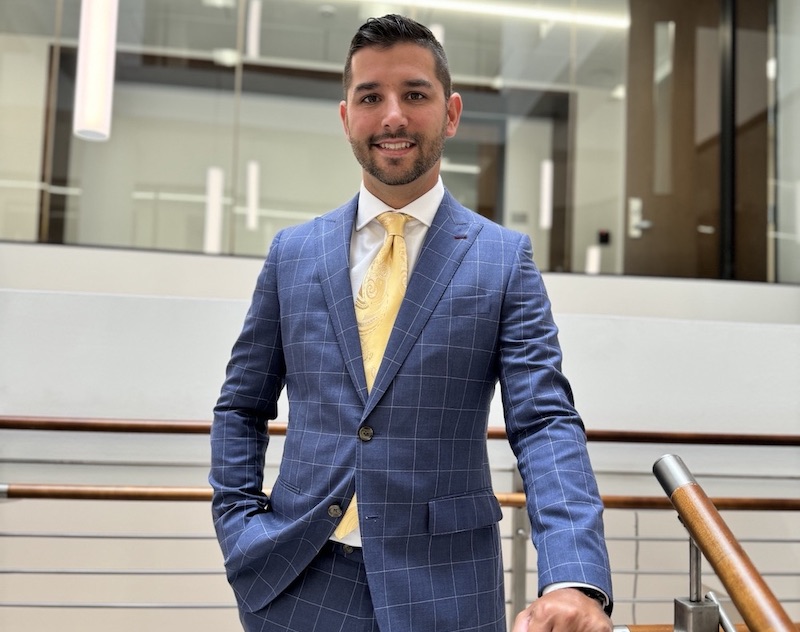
column 662, row 106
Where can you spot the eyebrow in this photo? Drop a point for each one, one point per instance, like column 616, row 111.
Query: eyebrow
column 411, row 83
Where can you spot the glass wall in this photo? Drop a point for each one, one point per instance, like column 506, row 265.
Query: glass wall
column 595, row 126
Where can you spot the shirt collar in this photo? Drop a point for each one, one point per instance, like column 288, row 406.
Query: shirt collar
column 422, row 209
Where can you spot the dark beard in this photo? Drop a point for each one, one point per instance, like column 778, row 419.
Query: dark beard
column 428, row 157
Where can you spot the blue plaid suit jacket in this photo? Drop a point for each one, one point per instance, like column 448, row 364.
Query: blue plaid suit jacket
column 475, row 314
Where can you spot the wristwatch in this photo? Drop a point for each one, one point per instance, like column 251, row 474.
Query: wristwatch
column 592, row 593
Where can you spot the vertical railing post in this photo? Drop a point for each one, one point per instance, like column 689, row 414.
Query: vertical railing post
column 695, row 572
column 696, row 614
column 520, row 541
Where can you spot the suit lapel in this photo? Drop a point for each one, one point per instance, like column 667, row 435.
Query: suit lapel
column 449, row 238
column 332, row 235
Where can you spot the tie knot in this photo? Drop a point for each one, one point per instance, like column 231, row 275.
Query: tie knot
column 393, row 222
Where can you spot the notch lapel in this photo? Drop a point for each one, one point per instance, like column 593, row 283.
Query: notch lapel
column 332, row 236
column 450, row 236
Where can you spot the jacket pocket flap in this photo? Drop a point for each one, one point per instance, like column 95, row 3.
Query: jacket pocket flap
column 464, row 512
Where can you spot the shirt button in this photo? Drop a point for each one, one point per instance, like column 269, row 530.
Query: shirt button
column 365, row 433
column 335, row 511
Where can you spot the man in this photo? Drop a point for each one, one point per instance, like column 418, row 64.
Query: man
column 398, row 441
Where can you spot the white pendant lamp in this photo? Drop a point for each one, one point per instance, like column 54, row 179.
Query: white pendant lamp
column 94, row 85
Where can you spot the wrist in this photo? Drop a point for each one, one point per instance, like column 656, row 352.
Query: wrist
column 592, row 593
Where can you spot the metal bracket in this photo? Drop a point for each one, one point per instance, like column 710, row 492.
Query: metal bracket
column 696, row 616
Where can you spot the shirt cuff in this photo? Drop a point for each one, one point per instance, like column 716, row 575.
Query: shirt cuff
column 557, row 585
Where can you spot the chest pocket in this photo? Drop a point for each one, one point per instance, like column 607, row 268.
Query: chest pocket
column 473, row 305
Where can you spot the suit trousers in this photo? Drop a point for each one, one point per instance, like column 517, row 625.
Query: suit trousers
column 330, row 595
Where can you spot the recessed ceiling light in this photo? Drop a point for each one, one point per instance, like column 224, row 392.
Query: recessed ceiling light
column 220, row 4
column 502, row 10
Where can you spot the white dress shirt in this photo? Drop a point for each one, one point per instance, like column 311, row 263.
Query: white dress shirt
column 368, row 234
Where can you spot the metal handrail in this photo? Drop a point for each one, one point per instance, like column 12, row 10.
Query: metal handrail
column 749, row 592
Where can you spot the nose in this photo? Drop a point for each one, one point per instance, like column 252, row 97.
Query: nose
column 394, row 115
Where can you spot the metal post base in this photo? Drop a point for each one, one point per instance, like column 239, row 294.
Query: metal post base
column 696, row 616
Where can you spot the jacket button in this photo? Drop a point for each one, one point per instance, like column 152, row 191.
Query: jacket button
column 335, row 511
column 365, row 433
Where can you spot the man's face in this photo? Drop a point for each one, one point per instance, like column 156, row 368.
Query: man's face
column 396, row 116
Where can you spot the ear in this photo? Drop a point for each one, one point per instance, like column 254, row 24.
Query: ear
column 454, row 108
column 343, row 116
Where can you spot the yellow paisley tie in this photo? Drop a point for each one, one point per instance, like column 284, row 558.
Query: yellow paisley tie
column 377, row 304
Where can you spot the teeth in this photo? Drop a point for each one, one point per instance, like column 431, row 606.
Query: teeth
column 404, row 145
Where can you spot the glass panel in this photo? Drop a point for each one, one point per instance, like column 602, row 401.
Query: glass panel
column 786, row 235
column 26, row 31
column 600, row 59
column 175, row 117
column 293, row 140
column 252, row 86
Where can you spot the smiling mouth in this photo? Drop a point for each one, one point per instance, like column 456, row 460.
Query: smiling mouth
column 395, row 145
column 389, row 143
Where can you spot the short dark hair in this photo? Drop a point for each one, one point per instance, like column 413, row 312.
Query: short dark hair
column 393, row 29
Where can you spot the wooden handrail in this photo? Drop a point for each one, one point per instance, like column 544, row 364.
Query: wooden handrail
column 747, row 589
column 103, row 492
column 507, row 499
column 740, row 627
column 17, row 422
column 74, row 424
column 517, row 499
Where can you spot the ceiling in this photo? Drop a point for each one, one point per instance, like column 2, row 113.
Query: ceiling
column 482, row 49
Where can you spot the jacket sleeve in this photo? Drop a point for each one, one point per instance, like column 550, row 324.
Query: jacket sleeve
column 548, row 437
column 248, row 400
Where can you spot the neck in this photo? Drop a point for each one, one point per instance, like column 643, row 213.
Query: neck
column 397, row 196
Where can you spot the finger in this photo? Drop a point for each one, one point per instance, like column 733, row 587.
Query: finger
column 522, row 622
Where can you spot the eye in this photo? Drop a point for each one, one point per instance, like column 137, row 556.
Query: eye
column 415, row 96
column 370, row 98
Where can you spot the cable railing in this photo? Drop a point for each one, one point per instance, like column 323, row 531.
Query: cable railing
column 513, row 500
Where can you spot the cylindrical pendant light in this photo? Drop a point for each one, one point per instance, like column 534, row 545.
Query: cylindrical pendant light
column 253, row 38
column 253, row 193
column 94, row 85
column 215, row 187
column 546, row 194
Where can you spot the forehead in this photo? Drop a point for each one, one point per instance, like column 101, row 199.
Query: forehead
column 403, row 61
